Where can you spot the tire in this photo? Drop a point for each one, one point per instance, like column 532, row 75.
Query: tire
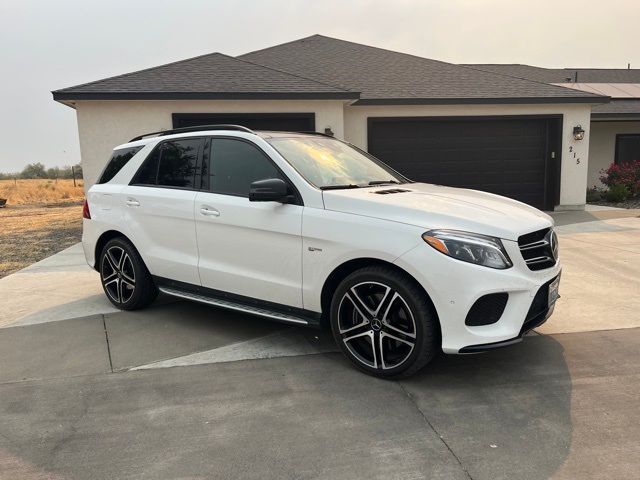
column 381, row 306
column 125, row 279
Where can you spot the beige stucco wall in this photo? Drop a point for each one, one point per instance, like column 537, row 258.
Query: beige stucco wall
column 602, row 146
column 102, row 125
column 574, row 175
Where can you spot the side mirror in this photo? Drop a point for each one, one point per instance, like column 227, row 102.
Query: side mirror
column 269, row 190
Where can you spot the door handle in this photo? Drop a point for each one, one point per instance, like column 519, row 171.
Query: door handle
column 132, row 202
column 209, row 211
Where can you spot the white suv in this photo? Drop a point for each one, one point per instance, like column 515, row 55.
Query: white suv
column 309, row 230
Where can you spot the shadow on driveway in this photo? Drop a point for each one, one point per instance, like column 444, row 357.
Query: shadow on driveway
column 505, row 414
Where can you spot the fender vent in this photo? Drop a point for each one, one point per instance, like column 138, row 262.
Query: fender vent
column 391, row 190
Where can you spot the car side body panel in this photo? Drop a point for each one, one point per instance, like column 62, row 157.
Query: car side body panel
column 160, row 222
column 331, row 239
column 250, row 248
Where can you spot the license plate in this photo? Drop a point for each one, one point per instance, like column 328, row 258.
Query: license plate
column 553, row 291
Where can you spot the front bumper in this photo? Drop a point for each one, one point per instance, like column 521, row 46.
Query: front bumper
column 454, row 286
column 538, row 313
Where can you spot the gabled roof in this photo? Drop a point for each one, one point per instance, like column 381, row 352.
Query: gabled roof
column 388, row 77
column 209, row 76
column 320, row 67
column 562, row 75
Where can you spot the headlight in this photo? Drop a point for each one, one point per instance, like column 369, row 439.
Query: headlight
column 469, row 247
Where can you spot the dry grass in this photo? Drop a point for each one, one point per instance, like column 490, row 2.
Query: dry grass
column 40, row 192
column 30, row 233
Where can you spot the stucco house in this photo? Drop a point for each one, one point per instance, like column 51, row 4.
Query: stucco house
column 434, row 121
column 615, row 126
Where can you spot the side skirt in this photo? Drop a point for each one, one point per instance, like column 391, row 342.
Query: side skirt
column 239, row 303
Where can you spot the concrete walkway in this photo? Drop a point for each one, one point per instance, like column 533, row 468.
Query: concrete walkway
column 60, row 287
column 601, row 272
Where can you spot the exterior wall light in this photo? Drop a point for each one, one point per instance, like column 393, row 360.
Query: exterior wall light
column 578, row 132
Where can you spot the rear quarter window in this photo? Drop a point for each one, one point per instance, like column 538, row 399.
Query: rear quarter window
column 119, row 159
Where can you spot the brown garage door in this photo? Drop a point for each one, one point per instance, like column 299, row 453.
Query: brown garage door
column 510, row 156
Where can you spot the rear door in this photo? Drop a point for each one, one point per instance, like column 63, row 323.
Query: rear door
column 252, row 249
column 158, row 209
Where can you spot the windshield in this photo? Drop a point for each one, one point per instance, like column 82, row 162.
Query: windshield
column 328, row 163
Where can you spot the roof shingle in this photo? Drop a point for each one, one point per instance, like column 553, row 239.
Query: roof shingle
column 320, row 67
column 207, row 76
column 617, row 108
column 562, row 75
column 384, row 76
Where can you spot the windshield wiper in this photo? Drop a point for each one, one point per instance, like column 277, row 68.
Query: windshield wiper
column 340, row 187
column 383, row 182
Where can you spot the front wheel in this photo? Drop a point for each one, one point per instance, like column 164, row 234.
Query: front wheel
column 124, row 276
column 383, row 322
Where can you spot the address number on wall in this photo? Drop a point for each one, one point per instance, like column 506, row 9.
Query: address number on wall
column 576, row 158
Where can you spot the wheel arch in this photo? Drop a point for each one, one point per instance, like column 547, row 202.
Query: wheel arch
column 343, row 270
column 102, row 241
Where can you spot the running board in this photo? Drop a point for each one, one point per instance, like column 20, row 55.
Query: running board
column 239, row 307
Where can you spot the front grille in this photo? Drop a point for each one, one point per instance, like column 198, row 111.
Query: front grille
column 539, row 249
column 487, row 309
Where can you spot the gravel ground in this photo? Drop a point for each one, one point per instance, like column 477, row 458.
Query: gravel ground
column 30, row 233
column 629, row 203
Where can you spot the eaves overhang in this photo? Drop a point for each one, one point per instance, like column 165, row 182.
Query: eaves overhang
column 593, row 100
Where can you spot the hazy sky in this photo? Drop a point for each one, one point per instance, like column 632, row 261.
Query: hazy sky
column 48, row 45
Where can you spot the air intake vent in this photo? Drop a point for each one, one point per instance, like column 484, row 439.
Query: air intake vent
column 487, row 309
column 390, row 190
column 539, row 249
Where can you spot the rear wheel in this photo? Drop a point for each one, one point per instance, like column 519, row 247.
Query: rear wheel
column 383, row 322
column 124, row 276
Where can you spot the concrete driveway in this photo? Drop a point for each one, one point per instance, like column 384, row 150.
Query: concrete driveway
column 186, row 391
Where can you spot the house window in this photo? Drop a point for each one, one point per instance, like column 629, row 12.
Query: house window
column 627, row 147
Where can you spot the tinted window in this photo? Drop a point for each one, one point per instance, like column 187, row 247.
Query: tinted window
column 178, row 162
column 627, row 148
column 119, row 159
column 236, row 164
column 148, row 172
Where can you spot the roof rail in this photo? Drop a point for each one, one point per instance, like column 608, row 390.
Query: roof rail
column 313, row 132
column 197, row 128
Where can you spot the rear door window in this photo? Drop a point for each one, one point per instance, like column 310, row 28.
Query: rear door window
column 174, row 163
column 119, row 159
column 178, row 163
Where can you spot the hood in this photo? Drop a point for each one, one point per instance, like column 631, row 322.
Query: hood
column 435, row 206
